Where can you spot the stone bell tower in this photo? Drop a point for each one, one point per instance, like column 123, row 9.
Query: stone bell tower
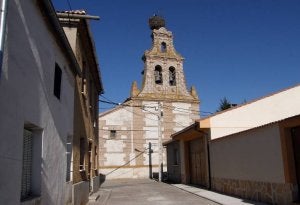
column 162, row 106
column 163, row 76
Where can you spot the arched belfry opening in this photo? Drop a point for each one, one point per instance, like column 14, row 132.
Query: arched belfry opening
column 163, row 47
column 158, row 75
column 172, row 76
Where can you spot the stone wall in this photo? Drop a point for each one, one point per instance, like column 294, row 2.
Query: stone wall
column 273, row 193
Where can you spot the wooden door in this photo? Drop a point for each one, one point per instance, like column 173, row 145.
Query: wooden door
column 296, row 142
column 197, row 162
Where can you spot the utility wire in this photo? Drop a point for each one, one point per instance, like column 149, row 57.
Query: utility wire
column 126, row 162
column 69, row 4
column 147, row 106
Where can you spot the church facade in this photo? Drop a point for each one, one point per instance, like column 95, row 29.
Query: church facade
column 131, row 134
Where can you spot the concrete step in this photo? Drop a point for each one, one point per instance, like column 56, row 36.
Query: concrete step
column 94, row 197
column 100, row 197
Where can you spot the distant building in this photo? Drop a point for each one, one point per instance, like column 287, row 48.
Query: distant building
column 251, row 151
column 84, row 145
column 36, row 104
column 161, row 107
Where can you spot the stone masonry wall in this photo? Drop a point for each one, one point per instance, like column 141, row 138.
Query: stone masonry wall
column 273, row 193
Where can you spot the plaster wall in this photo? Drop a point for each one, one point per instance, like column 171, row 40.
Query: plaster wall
column 80, row 193
column 253, row 155
column 183, row 115
column 27, row 99
column 71, row 34
column 120, row 117
column 96, row 184
column 264, row 111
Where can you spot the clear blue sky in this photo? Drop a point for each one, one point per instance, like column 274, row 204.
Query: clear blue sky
column 239, row 49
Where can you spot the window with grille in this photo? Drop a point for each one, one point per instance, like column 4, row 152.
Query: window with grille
column 26, row 186
column 31, row 162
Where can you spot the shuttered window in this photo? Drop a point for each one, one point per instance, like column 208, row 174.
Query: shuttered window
column 27, row 165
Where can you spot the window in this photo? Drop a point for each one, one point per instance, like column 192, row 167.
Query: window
column 172, row 76
column 81, row 154
column 90, row 157
column 158, row 75
column 163, row 47
column 26, row 185
column 83, row 79
column 91, row 93
column 96, row 159
column 31, row 162
column 113, row 134
column 57, row 81
column 69, row 158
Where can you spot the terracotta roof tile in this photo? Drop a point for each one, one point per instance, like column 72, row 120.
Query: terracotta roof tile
column 79, row 12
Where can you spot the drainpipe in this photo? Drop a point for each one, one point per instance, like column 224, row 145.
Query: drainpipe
column 2, row 31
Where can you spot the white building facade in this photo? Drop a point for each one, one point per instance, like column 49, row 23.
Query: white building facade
column 36, row 106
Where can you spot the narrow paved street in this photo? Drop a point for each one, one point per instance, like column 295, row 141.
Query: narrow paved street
column 143, row 192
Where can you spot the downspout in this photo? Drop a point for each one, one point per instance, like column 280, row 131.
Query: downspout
column 2, row 31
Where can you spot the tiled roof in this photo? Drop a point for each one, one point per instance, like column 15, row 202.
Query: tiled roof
column 79, row 12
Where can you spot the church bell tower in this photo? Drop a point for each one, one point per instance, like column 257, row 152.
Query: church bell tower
column 163, row 76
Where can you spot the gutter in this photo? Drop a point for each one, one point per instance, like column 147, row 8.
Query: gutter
column 2, row 31
column 51, row 14
column 77, row 16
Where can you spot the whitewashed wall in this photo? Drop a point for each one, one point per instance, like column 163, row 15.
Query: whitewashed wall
column 26, row 88
column 276, row 107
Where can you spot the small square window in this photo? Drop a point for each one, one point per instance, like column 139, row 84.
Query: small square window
column 113, row 134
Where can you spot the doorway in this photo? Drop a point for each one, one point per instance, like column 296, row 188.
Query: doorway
column 295, row 132
column 197, row 162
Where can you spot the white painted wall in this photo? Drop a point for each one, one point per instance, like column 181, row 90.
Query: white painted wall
column 251, row 155
column 276, row 107
column 26, row 88
column 118, row 117
column 183, row 115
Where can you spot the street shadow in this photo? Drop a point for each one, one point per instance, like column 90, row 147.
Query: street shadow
column 102, row 178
